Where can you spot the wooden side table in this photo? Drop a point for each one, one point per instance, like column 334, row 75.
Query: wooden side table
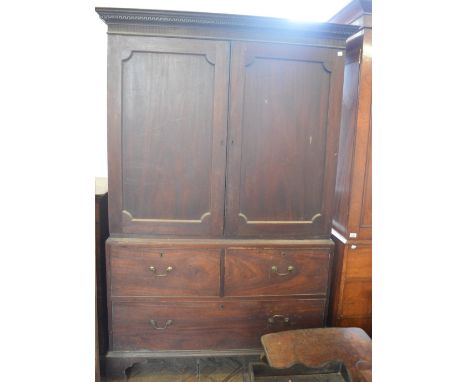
column 314, row 347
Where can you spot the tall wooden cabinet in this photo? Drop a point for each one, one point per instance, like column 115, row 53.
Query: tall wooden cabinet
column 222, row 144
column 352, row 222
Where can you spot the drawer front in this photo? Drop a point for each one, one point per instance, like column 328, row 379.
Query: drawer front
column 161, row 272
column 208, row 325
column 357, row 298
column 270, row 272
column 359, row 263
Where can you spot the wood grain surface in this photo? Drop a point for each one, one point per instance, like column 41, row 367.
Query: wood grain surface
column 165, row 272
column 313, row 347
column 208, row 325
column 248, row 271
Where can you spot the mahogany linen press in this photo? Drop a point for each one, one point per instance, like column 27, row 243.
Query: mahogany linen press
column 222, row 155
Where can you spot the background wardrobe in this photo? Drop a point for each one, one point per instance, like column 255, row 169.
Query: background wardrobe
column 351, row 303
column 223, row 146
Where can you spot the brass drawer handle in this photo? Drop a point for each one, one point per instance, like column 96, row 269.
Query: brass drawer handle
column 155, row 325
column 274, row 269
column 168, row 270
column 272, row 319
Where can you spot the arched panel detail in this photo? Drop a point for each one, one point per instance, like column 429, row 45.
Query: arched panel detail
column 327, row 66
column 211, row 58
column 126, row 55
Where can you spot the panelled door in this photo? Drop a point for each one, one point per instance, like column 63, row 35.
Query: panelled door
column 283, row 126
column 167, row 124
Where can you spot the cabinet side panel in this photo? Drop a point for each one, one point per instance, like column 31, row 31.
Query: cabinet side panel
column 337, row 281
column 347, row 137
column 357, row 299
column 360, row 213
column 366, row 213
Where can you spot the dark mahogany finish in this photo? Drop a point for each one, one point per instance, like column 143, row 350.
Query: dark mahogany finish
column 223, row 138
column 283, row 139
column 162, row 272
column 214, row 275
column 168, row 117
column 273, row 272
column 167, row 135
column 208, row 325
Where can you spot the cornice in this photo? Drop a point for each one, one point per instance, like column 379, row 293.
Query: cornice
column 144, row 17
column 357, row 12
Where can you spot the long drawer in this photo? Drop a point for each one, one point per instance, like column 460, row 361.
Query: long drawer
column 209, row 325
column 274, row 272
column 164, row 272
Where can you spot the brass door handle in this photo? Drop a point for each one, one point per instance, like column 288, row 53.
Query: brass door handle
column 154, row 270
column 274, row 269
column 273, row 319
column 155, row 325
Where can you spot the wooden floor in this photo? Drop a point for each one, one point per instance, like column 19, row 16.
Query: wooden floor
column 218, row 369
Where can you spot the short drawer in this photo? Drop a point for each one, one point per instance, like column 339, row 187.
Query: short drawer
column 161, row 272
column 208, row 325
column 274, row 272
column 359, row 261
